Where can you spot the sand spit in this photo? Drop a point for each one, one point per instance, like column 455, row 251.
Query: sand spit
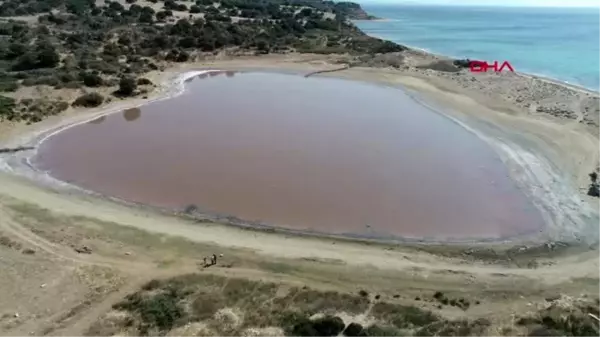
column 534, row 163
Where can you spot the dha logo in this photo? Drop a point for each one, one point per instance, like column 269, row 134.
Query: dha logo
column 483, row 67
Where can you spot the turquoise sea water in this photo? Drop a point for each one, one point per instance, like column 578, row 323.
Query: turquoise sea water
column 560, row 43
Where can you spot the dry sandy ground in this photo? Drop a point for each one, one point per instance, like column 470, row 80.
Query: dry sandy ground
column 56, row 290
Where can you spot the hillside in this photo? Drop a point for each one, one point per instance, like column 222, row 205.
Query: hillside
column 83, row 43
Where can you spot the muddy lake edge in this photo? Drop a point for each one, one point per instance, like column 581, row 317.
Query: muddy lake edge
column 19, row 163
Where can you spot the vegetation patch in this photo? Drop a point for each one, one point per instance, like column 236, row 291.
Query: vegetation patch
column 89, row 100
column 74, row 43
column 403, row 317
column 230, row 306
column 577, row 319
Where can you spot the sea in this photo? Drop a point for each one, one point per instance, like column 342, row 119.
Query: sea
column 558, row 43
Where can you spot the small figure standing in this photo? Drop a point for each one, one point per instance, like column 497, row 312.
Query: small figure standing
column 214, row 259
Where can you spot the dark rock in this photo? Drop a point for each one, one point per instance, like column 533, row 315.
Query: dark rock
column 465, row 63
column 594, row 190
column 189, row 209
column 28, row 251
column 83, row 250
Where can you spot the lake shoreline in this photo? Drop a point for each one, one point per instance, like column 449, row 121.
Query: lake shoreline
column 173, row 85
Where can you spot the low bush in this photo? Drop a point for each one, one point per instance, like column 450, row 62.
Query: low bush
column 9, row 86
column 355, row 329
column 301, row 325
column 7, row 106
column 444, row 66
column 383, row 330
column 127, row 86
column 144, row 81
column 157, row 311
column 91, row 79
column 89, row 100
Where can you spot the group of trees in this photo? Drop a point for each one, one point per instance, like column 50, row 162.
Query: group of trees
column 78, row 43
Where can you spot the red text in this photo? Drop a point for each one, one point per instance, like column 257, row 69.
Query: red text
column 483, row 67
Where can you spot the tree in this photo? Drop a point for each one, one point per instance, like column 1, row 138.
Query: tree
column 262, row 46
column 89, row 100
column 7, row 105
column 91, row 79
column 160, row 16
column 127, row 85
column 195, row 9
column 15, row 50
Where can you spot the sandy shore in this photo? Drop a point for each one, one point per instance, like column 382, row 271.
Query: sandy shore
column 549, row 159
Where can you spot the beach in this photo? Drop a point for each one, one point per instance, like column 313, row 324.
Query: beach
column 545, row 132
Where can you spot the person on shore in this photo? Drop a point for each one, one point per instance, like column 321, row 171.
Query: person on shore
column 214, row 259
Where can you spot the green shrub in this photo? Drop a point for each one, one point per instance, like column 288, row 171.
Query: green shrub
column 161, row 310
column 403, row 316
column 127, row 86
column 9, row 86
column 328, row 326
column 91, row 79
column 206, row 305
column 355, row 329
column 382, row 330
column 89, row 100
column 144, row 81
column 7, row 106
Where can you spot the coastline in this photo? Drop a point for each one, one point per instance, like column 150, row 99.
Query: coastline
column 448, row 57
column 525, row 170
column 548, row 79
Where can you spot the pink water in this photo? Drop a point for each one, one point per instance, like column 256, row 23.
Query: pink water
column 305, row 153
